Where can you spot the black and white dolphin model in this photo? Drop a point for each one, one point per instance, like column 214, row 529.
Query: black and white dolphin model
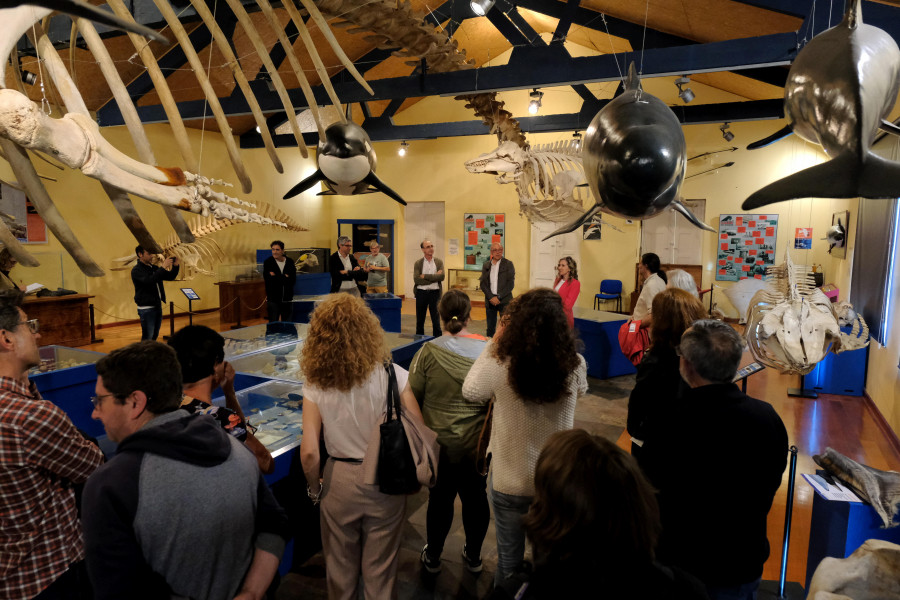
column 634, row 157
column 346, row 164
column 840, row 89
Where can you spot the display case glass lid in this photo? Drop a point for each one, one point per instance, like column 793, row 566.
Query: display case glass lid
column 57, row 358
column 275, row 408
column 257, row 338
column 599, row 316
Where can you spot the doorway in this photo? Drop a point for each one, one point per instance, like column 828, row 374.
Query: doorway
column 424, row 220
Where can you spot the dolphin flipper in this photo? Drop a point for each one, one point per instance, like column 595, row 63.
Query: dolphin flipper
column 888, row 127
column 372, row 179
column 684, row 210
column 778, row 135
column 305, row 184
column 841, row 177
column 577, row 222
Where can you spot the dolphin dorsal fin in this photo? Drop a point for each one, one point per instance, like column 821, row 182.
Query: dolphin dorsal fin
column 853, row 16
column 633, row 80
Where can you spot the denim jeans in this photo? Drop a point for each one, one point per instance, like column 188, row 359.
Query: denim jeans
column 508, row 513
column 151, row 320
column 746, row 591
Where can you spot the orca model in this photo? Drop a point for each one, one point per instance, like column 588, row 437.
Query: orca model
column 839, row 90
column 634, row 158
column 346, row 164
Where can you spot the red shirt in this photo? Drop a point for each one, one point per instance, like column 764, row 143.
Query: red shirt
column 41, row 455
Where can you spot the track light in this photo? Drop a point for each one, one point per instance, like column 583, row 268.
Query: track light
column 403, row 148
column 28, row 78
column 686, row 94
column 725, row 133
column 258, row 130
column 577, row 137
column 481, row 7
column 535, row 103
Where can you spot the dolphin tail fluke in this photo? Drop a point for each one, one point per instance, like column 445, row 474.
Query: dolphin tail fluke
column 684, row 210
column 888, row 127
column 305, row 184
column 372, row 179
column 577, row 222
column 778, row 135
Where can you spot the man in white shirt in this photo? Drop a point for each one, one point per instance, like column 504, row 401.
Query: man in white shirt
column 428, row 273
column 344, row 268
column 498, row 278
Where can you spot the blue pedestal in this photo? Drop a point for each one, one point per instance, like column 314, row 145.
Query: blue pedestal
column 71, row 389
column 387, row 310
column 839, row 528
column 600, row 333
column 843, row 373
column 312, row 283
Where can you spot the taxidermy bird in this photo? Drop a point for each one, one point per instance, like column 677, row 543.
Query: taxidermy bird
column 839, row 90
column 346, row 164
column 634, row 158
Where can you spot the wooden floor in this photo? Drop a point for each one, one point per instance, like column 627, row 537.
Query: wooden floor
column 845, row 423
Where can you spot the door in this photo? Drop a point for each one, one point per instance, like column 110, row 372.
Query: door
column 545, row 255
column 673, row 238
column 424, row 220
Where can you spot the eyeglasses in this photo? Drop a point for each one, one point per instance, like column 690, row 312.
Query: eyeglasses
column 347, row 245
column 32, row 324
column 96, row 400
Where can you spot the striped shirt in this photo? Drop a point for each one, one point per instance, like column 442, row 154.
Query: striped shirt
column 41, row 456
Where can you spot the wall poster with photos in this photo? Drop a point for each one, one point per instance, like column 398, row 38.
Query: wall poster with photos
column 480, row 230
column 746, row 246
column 26, row 224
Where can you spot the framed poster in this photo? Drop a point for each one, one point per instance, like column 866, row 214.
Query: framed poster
column 746, row 246
column 591, row 229
column 21, row 217
column 480, row 230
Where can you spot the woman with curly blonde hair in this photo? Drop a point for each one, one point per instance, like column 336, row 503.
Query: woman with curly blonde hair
column 343, row 361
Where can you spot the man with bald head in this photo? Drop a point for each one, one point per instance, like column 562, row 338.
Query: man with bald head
column 428, row 273
column 498, row 278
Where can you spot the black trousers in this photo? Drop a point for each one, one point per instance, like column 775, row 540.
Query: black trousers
column 279, row 311
column 457, row 478
column 427, row 300
column 491, row 312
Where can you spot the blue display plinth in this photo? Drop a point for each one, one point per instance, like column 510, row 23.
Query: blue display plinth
column 386, row 309
column 843, row 373
column 599, row 331
column 838, row 528
column 67, row 378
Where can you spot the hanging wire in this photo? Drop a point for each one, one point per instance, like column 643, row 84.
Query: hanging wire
column 644, row 38
column 612, row 48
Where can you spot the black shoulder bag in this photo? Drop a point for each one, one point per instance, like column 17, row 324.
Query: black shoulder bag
column 396, row 469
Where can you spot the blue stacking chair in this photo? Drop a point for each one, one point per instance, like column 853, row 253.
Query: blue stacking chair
column 610, row 289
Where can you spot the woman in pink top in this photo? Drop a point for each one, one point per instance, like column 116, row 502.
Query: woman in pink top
column 567, row 286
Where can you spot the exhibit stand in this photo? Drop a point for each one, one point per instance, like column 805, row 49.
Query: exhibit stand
column 599, row 330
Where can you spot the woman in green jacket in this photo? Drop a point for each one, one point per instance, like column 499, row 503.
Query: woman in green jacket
column 436, row 377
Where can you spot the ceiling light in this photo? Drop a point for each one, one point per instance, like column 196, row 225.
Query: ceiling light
column 28, row 77
column 535, row 103
column 481, row 7
column 686, row 94
column 725, row 133
column 403, row 148
column 258, row 130
column 577, row 137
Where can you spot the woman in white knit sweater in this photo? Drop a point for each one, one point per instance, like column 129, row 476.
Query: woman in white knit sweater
column 535, row 374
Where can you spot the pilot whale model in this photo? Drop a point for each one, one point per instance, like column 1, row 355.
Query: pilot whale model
column 634, row 158
column 346, row 164
column 839, row 90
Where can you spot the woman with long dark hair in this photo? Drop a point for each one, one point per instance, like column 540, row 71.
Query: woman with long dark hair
column 436, row 376
column 343, row 360
column 658, row 381
column 535, row 374
column 654, row 282
column 567, row 286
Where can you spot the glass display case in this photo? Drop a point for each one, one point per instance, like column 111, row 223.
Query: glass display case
column 57, row 358
column 467, row 281
column 265, row 336
column 67, row 377
column 309, row 260
column 56, row 270
column 275, row 408
column 238, row 273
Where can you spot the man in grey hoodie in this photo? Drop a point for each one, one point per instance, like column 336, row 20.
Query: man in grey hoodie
column 182, row 509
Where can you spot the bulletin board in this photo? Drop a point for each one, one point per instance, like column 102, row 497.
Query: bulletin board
column 480, row 230
column 746, row 246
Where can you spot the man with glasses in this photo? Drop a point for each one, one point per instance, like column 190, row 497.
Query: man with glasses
column 344, row 268
column 498, row 278
column 182, row 509
column 149, row 291
column 428, row 273
column 42, row 456
column 717, row 464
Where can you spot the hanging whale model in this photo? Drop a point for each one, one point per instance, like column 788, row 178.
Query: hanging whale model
column 634, row 158
column 346, row 164
column 839, row 91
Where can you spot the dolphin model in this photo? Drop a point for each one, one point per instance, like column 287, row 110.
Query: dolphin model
column 346, row 164
column 634, row 158
column 840, row 89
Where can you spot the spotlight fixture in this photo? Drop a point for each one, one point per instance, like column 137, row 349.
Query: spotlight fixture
column 28, row 78
column 535, row 103
column 725, row 133
column 686, row 94
column 258, row 130
column 403, row 148
column 577, row 138
column 481, row 7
